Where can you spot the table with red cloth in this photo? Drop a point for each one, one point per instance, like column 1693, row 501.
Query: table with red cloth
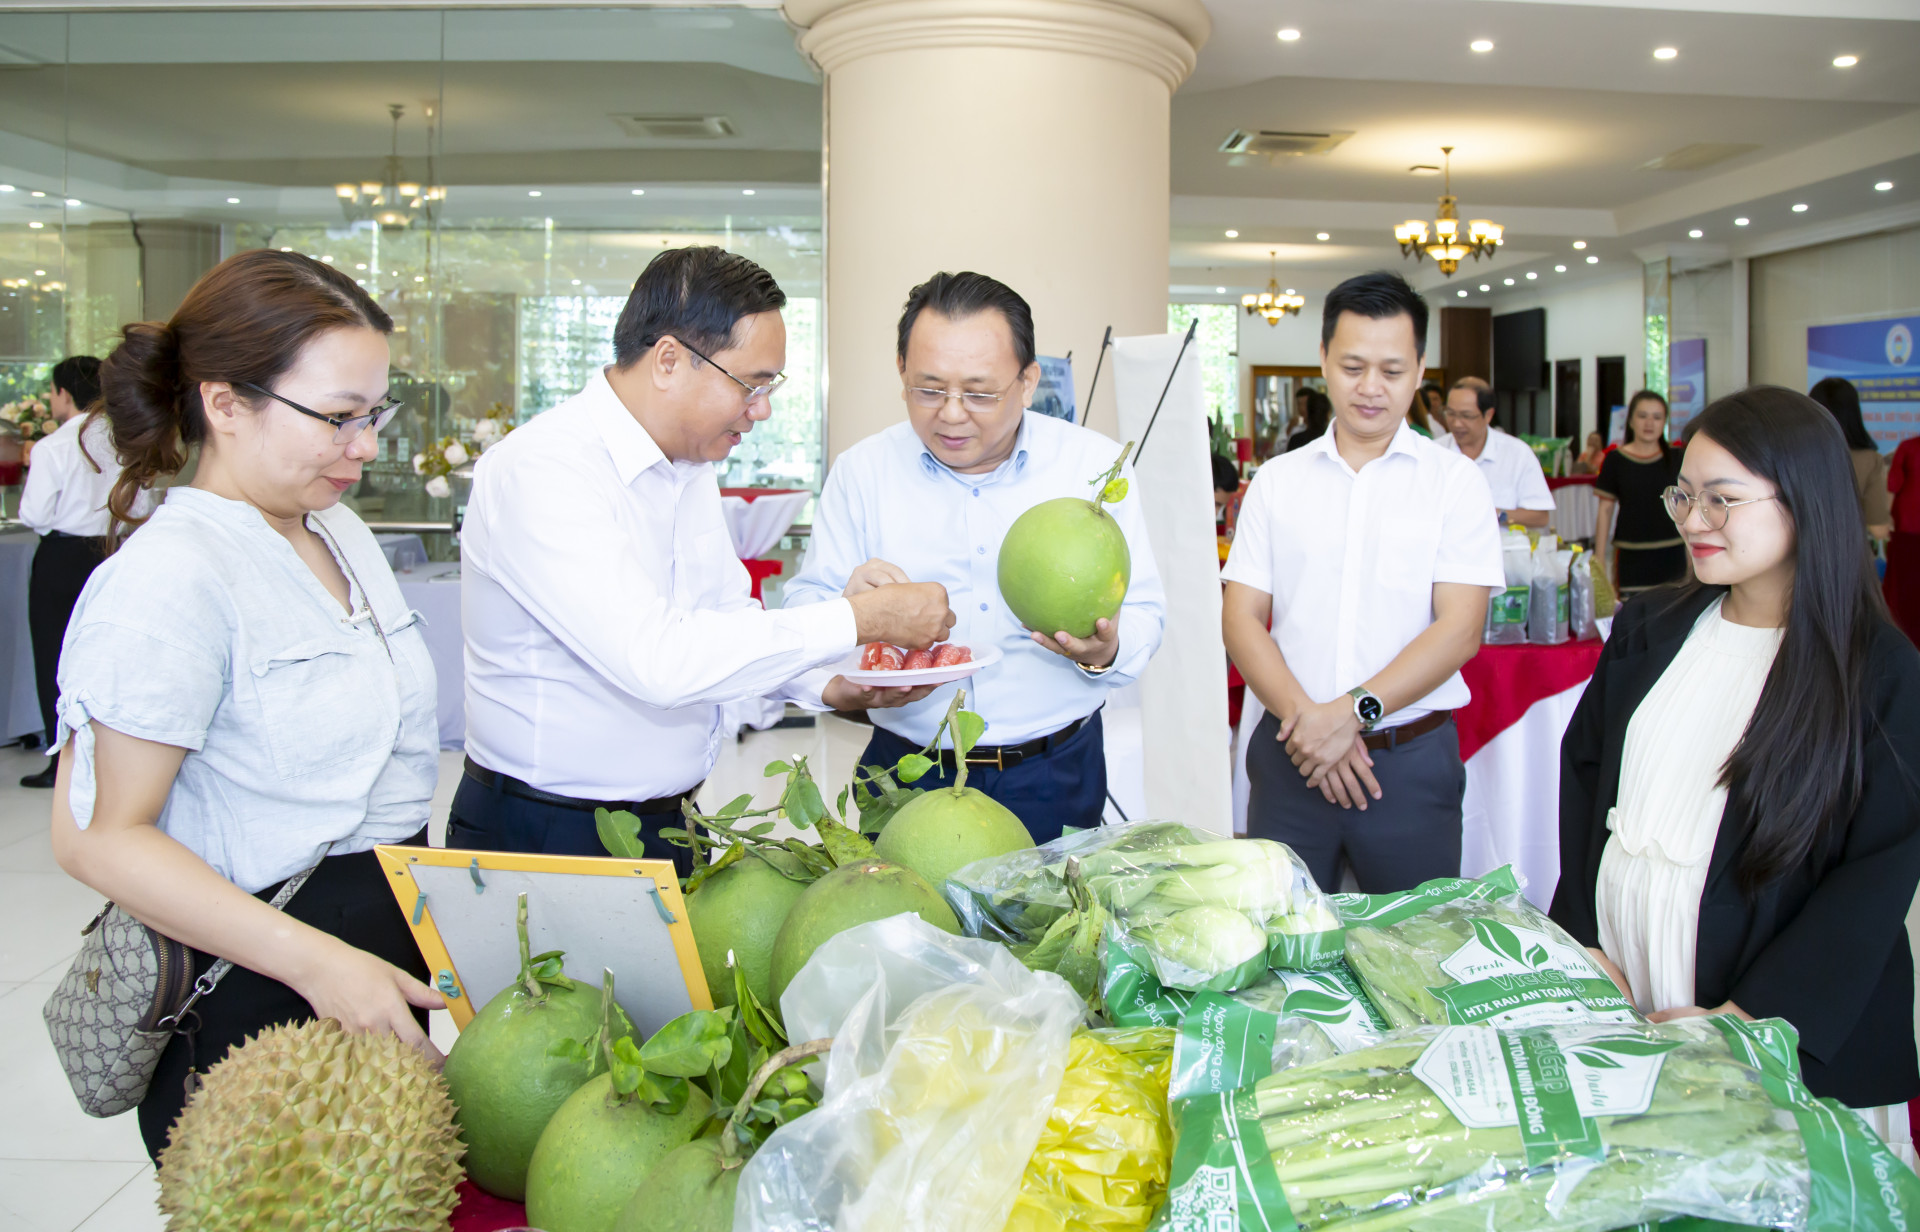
column 1523, row 699
column 756, row 519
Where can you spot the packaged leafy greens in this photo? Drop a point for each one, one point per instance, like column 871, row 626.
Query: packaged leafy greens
column 1287, row 1019
column 1583, row 1126
column 1464, row 950
column 1205, row 912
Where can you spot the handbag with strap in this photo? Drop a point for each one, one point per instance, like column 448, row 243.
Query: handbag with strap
column 129, row 991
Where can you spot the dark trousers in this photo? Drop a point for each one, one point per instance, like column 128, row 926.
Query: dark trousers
column 1410, row 835
column 1064, row 787
column 61, row 566
column 347, row 897
column 487, row 818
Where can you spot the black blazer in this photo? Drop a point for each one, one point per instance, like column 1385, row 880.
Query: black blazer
column 1825, row 946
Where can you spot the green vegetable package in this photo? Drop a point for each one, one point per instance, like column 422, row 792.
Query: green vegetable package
column 1586, row 1126
column 1208, row 913
column 1469, row 950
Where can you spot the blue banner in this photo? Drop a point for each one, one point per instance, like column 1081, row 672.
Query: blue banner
column 1686, row 383
column 1054, row 396
column 1878, row 357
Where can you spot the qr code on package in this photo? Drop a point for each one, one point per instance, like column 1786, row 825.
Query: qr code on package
column 1208, row 1201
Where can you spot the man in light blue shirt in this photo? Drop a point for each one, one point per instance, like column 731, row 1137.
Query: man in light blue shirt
column 929, row 500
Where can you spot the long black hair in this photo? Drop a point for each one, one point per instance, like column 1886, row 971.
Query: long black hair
column 1842, row 401
column 1319, row 412
column 1796, row 773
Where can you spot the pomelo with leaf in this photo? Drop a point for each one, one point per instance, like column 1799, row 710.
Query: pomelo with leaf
column 943, row 830
column 1064, row 563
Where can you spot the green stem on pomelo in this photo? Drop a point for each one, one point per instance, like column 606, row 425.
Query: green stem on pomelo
column 606, row 1015
column 730, row 1141
column 535, row 992
column 1105, row 482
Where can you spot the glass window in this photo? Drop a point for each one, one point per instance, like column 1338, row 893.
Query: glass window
column 1218, row 343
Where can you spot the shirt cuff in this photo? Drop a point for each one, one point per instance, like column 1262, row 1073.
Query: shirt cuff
column 1470, row 575
column 1138, row 641
column 1533, row 502
column 827, row 630
column 805, row 689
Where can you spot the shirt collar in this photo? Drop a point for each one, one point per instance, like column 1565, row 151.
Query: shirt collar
column 1403, row 441
column 1008, row 470
column 631, row 446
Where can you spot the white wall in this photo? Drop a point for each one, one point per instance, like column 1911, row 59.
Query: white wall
column 1852, row 280
column 1703, row 308
column 1585, row 321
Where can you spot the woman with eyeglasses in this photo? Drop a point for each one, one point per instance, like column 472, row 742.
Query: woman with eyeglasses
column 244, row 695
column 1630, row 480
column 1740, row 784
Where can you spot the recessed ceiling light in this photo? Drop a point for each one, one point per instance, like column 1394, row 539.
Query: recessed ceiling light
column 576, row 282
column 286, row 250
column 1233, row 235
column 1323, row 236
column 36, row 226
column 1559, row 269
column 72, row 201
column 1845, row 61
column 1289, row 35
column 419, row 277
column 1593, row 260
column 533, row 192
column 1531, row 275
column 1740, row 222
column 233, row 201
column 326, row 260
column 746, row 192
column 1485, row 287
column 1883, row 186
column 1481, row 44
column 1289, row 290
column 1506, row 282
column 38, row 193
column 1461, row 294
column 639, row 192
column 1695, row 234
column 1665, row 53
column 39, row 273
column 6, row 188
column 362, row 265
column 1219, row 290
column 1800, row 207
column 1579, row 243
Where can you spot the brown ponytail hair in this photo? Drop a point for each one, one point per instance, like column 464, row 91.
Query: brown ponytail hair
column 246, row 321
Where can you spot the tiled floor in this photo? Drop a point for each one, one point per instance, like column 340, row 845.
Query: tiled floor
column 62, row 1171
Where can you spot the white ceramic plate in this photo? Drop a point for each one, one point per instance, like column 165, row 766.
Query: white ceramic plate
column 850, row 668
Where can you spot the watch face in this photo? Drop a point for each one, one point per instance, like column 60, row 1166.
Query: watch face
column 1370, row 709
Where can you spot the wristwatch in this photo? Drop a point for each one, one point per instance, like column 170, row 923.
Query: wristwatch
column 1366, row 707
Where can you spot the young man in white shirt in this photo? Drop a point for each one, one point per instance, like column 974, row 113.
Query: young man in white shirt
column 932, row 498
column 607, row 618
column 1512, row 471
column 1371, row 552
column 65, row 503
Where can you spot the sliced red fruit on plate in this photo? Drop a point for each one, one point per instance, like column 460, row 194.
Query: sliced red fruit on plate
column 918, row 659
column 950, row 655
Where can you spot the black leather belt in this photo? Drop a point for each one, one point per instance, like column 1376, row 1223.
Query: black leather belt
column 494, row 780
column 1391, row 737
column 1005, row 756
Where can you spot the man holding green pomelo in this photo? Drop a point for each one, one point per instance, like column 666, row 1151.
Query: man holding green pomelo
column 933, row 499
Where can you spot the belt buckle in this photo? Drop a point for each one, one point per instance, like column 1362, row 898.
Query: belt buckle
column 997, row 761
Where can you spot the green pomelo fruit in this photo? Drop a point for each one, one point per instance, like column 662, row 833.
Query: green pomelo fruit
column 596, row 1151
column 856, row 893
column 1063, row 565
column 939, row 833
column 740, row 908
column 688, row 1191
column 504, row 1084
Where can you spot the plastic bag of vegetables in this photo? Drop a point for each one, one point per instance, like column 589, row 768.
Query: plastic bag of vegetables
column 1589, row 1126
column 1102, row 1162
column 1288, row 1019
column 1463, row 950
column 1207, row 912
column 946, row 1060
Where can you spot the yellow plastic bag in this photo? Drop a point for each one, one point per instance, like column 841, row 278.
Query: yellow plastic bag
column 1103, row 1157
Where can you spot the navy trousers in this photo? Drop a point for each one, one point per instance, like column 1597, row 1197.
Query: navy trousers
column 1063, row 788
column 488, row 819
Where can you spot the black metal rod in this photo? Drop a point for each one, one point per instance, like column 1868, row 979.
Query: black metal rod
column 1185, row 342
column 1095, row 383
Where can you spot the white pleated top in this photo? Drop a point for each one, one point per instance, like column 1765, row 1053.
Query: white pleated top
column 1668, row 815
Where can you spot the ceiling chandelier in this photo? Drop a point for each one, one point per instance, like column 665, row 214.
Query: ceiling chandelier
column 1449, row 246
column 1273, row 303
column 394, row 201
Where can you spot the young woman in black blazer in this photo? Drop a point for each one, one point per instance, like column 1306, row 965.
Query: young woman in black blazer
column 1815, row 854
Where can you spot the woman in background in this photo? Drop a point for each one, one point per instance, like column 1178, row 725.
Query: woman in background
column 1842, row 401
column 1588, row 463
column 1428, row 410
column 1317, row 414
column 1630, row 481
column 1740, row 784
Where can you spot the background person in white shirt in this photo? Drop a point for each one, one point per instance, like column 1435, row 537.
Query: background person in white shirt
column 1374, row 602
column 932, row 498
column 1512, row 471
column 606, row 616
column 65, row 503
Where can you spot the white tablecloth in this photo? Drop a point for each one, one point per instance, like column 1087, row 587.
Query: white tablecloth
column 756, row 525
column 1511, row 810
column 19, row 702
column 1575, row 511
column 402, row 551
column 434, row 592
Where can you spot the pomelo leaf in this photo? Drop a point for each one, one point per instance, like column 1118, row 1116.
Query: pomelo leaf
column 843, row 846
column 572, row 1050
column 765, row 827
column 755, row 1019
column 784, row 862
column 690, row 1045
column 775, row 767
column 739, row 806
column 801, row 801
column 1114, row 492
column 968, row 727
column 619, row 833
column 913, row 767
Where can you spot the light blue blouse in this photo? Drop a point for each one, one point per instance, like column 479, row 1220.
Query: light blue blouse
column 304, row 726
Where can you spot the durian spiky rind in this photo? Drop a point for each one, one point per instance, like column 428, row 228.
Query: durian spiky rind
column 310, row 1129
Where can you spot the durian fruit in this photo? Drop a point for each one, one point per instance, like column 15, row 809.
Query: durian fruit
column 308, row 1127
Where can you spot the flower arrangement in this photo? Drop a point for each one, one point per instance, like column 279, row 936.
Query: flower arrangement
column 29, row 419
column 448, row 454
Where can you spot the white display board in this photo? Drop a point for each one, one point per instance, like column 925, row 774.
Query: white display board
column 1184, row 731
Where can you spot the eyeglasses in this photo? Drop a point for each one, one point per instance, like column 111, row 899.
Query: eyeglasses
column 1713, row 507
column 971, row 399
column 753, row 391
column 345, row 427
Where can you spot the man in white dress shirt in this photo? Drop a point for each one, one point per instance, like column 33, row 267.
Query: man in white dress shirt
column 931, row 498
column 65, row 502
column 1372, row 552
column 1511, row 470
column 607, row 619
